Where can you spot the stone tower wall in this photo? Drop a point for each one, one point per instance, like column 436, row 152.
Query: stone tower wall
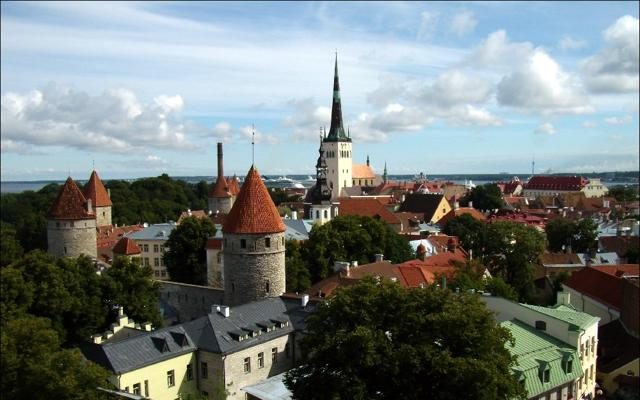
column 103, row 216
column 221, row 204
column 247, row 270
column 67, row 238
column 339, row 166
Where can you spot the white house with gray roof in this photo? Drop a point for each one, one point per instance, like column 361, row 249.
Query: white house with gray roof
column 222, row 352
column 151, row 241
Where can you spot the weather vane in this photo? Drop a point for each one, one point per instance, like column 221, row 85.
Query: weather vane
column 253, row 143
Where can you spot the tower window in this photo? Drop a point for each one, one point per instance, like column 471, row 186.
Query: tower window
column 243, row 243
column 267, row 242
column 266, row 286
column 317, row 214
column 233, row 287
column 326, row 214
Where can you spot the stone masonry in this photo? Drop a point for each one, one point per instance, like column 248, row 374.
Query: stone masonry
column 70, row 238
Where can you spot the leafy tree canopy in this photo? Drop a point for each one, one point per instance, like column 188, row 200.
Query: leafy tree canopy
column 377, row 340
column 580, row 236
column 352, row 238
column 484, row 197
column 11, row 248
column 297, row 273
column 624, row 193
column 186, row 258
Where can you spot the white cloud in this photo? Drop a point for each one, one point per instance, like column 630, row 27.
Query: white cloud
column 463, row 23
column 569, row 43
column 589, row 124
column 428, row 23
column 498, row 50
column 306, row 119
column 541, row 85
column 455, row 88
column 254, row 135
column 615, row 68
column 546, row 128
column 618, row 120
column 113, row 122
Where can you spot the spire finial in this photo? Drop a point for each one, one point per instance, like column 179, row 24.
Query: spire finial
column 253, row 144
column 94, row 164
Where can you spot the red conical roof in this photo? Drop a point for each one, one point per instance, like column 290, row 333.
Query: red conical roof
column 220, row 189
column 126, row 246
column 95, row 190
column 253, row 211
column 70, row 203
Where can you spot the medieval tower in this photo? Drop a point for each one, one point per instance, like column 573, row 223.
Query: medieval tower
column 71, row 223
column 337, row 146
column 100, row 199
column 253, row 245
column 221, row 196
column 318, row 206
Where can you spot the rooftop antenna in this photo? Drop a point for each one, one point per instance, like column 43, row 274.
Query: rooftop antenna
column 94, row 164
column 253, row 143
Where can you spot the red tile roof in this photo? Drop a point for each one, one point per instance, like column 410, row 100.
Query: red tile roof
column 253, row 211
column 362, row 171
column 461, row 211
column 560, row 258
column 366, row 207
column 126, row 246
column 234, row 185
column 619, row 244
column 108, row 236
column 556, row 183
column 95, row 190
column 70, row 203
column 220, row 189
column 194, row 213
column 599, row 285
column 619, row 270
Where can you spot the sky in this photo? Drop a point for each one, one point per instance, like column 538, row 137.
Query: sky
column 137, row 89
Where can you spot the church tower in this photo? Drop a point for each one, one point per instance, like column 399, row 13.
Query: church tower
column 337, row 146
column 95, row 190
column 253, row 245
column 318, row 206
column 220, row 198
column 71, row 224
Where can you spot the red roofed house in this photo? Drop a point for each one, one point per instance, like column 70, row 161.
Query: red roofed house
column 126, row 247
column 71, row 223
column 369, row 207
column 95, row 190
column 555, row 185
column 458, row 211
column 512, row 188
column 194, row 213
column 363, row 175
column 599, row 290
column 253, row 245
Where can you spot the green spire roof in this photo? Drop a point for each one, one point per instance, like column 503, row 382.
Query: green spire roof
column 336, row 131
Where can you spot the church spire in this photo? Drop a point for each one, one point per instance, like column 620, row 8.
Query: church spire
column 336, row 131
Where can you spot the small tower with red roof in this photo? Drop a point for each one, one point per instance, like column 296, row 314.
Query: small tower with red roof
column 71, row 224
column 221, row 195
column 253, row 245
column 95, row 190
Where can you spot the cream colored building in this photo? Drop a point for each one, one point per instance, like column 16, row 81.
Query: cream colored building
column 151, row 242
column 215, row 355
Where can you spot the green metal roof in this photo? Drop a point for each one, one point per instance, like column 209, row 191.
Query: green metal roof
column 535, row 350
column 578, row 319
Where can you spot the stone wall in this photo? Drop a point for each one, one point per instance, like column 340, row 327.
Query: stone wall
column 66, row 238
column 190, row 301
column 103, row 216
column 255, row 271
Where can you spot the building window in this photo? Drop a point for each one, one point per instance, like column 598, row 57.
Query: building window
column 233, row 287
column 126, row 389
column 163, row 273
column 156, row 248
column 145, row 247
column 267, row 242
column 243, row 244
column 260, row 360
column 317, row 214
column 162, row 262
column 146, row 388
column 156, row 273
column 325, row 214
column 171, row 379
column 204, row 370
column 189, row 372
column 156, row 262
column 541, row 325
column 274, row 355
column 247, row 365
column 266, row 286
column 146, row 261
column 136, row 388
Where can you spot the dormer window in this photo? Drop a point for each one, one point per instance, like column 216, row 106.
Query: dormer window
column 541, row 325
column 544, row 372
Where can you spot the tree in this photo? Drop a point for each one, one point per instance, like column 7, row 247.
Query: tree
column 297, row 273
column 469, row 231
column 470, row 275
column 560, row 233
column 511, row 252
column 623, row 193
column 484, row 197
column 35, row 367
column 377, row 340
column 11, row 248
column 352, row 238
column 186, row 258
column 586, row 236
column 129, row 285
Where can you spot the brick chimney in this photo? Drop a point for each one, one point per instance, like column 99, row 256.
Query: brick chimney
column 220, row 171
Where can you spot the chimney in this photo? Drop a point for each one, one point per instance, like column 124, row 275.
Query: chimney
column 120, row 312
column 225, row 311
column 109, row 193
column 563, row 298
column 304, row 300
column 354, row 264
column 456, row 205
column 340, row 266
column 294, row 215
column 89, row 206
column 146, row 326
column 97, row 338
column 471, row 204
column 189, row 211
column 347, row 271
column 379, row 257
column 220, row 171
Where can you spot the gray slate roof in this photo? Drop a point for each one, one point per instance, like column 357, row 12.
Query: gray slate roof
column 154, row 232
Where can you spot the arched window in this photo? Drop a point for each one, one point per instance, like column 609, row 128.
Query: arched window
column 267, row 242
column 317, row 214
column 243, row 244
column 326, row 215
